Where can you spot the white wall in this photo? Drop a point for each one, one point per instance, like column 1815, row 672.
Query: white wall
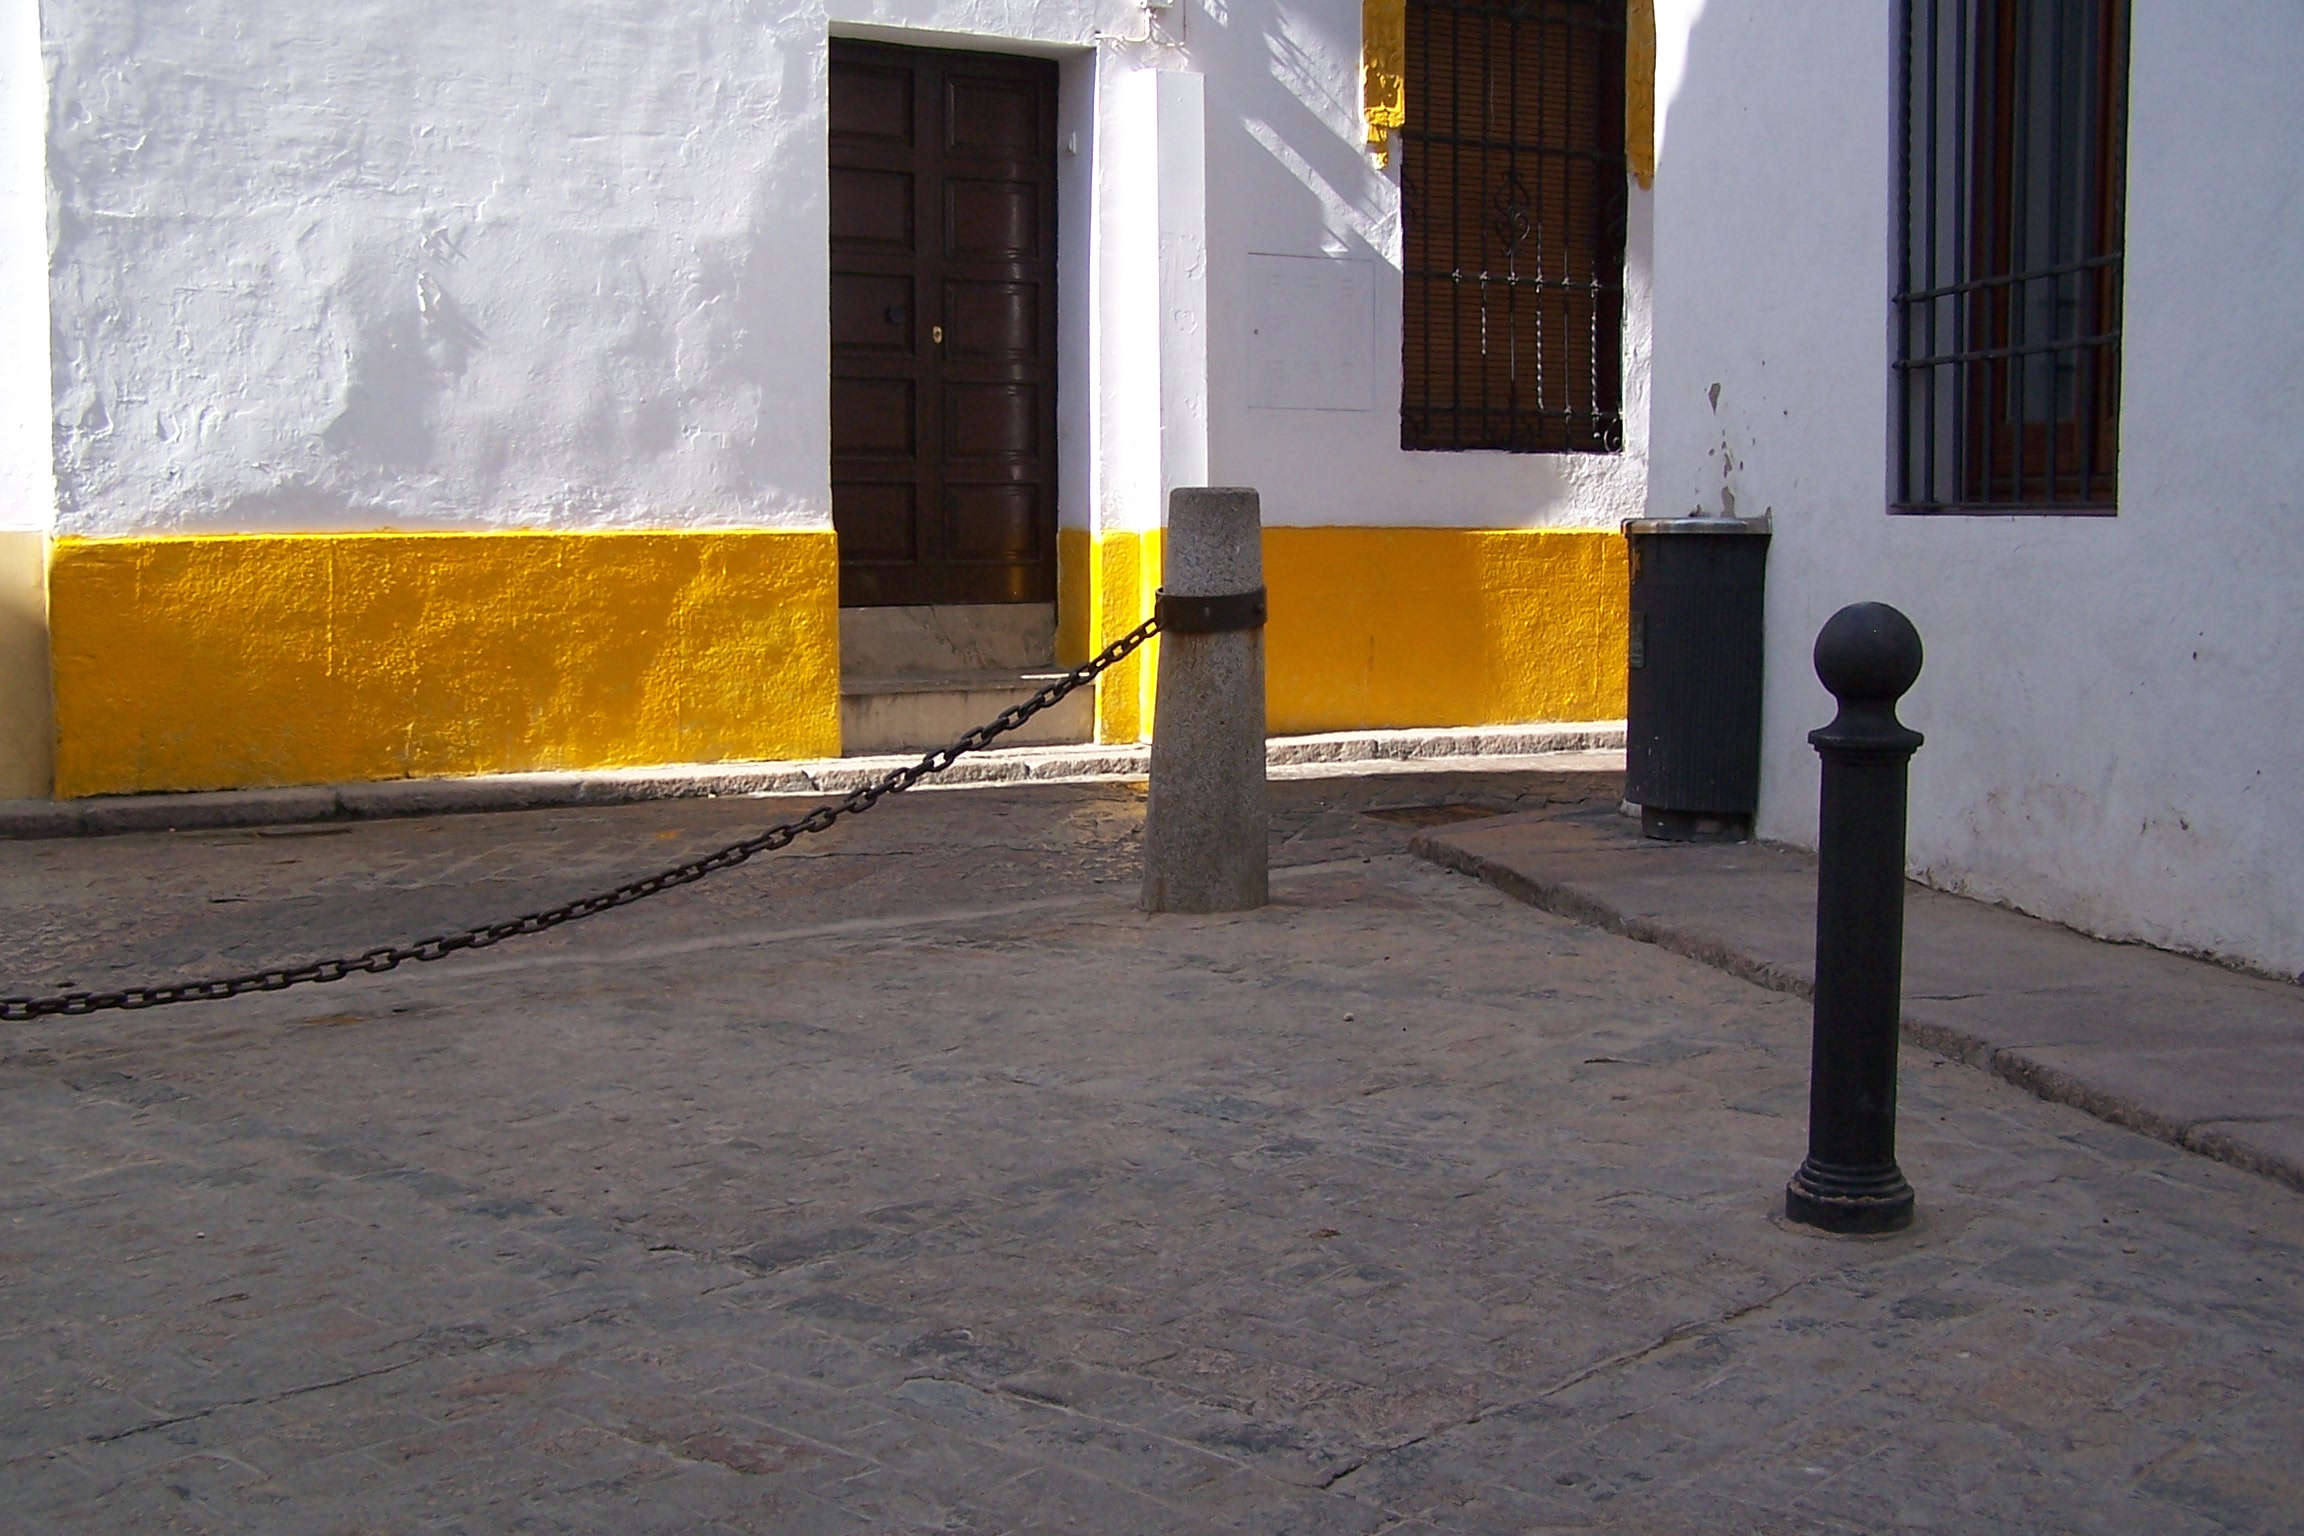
column 1150, row 285
column 562, row 263
column 27, row 482
column 2114, row 707
column 1288, row 176
column 425, row 262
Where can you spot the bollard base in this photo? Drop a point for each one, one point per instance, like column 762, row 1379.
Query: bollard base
column 1849, row 1199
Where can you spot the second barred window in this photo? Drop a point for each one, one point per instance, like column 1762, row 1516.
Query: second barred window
column 1513, row 211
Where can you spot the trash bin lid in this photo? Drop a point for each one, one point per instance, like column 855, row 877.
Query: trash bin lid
column 1635, row 526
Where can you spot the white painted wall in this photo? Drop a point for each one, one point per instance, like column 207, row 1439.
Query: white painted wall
column 1151, row 286
column 27, row 480
column 430, row 263
column 561, row 263
column 1288, row 176
column 2114, row 707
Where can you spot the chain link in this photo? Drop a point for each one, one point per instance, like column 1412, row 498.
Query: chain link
column 440, row 946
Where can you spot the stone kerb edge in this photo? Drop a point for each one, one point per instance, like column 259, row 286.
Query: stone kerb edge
column 211, row 810
column 2011, row 1064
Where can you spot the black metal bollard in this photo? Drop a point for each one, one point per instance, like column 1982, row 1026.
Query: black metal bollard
column 1868, row 655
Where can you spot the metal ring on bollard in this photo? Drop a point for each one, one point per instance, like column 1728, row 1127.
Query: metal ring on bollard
column 1179, row 615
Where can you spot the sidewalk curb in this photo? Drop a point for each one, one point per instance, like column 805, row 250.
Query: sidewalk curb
column 208, row 810
column 2013, row 1065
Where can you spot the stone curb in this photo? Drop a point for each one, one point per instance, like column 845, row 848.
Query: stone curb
column 104, row 814
column 1960, row 1042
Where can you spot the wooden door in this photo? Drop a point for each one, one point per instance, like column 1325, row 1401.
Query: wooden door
column 943, row 325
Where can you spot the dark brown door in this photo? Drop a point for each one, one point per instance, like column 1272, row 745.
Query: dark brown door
column 943, row 326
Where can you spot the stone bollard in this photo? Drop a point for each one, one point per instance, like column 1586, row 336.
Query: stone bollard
column 1206, row 829
column 1867, row 655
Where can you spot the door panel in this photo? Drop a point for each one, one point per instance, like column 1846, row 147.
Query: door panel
column 874, row 417
column 872, row 208
column 995, row 117
column 991, row 421
column 872, row 103
column 943, row 324
column 872, row 313
column 992, row 320
column 993, row 522
column 998, row 219
column 878, row 522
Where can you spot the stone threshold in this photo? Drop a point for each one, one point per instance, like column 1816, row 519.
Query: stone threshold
column 2184, row 1050
column 983, row 680
column 1491, row 746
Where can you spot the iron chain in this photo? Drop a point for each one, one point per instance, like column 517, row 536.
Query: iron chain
column 440, row 946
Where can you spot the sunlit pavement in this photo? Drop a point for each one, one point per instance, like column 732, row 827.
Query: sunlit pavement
column 914, row 1181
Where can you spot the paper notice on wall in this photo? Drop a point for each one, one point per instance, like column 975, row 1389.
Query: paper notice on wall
column 1311, row 333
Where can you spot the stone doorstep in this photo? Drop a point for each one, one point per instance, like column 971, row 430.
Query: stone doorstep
column 914, row 712
column 2184, row 1050
column 106, row 814
column 1012, row 680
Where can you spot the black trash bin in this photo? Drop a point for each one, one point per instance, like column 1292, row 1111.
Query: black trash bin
column 1692, row 710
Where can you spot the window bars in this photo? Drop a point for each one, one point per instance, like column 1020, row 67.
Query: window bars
column 2008, row 303
column 1513, row 206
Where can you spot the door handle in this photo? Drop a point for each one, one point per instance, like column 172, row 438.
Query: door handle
column 936, row 334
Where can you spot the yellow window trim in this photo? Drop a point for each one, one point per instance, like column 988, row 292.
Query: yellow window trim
column 1384, row 80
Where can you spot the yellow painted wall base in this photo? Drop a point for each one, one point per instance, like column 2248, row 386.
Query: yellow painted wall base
column 212, row 662
column 1387, row 627
column 27, row 728
column 217, row 662
column 1384, row 627
column 1104, row 588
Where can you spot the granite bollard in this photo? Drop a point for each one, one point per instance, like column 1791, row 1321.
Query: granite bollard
column 1206, row 826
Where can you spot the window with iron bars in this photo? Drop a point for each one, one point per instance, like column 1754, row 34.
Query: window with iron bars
column 2008, row 302
column 1513, row 204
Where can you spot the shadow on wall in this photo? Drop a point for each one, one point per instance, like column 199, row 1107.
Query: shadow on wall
column 1313, row 134
column 27, row 742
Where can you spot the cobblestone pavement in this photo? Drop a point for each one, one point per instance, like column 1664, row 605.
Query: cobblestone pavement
column 915, row 1182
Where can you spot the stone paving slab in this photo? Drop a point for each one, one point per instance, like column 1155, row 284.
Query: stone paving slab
column 916, row 1182
column 2193, row 1053
column 1498, row 748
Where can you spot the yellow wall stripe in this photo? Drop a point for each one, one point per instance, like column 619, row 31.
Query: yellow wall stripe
column 205, row 662
column 1378, row 627
column 211, row 662
column 1104, row 589
column 1387, row 627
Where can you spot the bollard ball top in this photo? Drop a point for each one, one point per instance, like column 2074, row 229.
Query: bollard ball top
column 1868, row 652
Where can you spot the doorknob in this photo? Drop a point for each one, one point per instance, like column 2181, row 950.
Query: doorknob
column 936, row 334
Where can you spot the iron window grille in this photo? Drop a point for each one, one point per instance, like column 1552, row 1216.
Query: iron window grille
column 1513, row 206
column 2008, row 304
